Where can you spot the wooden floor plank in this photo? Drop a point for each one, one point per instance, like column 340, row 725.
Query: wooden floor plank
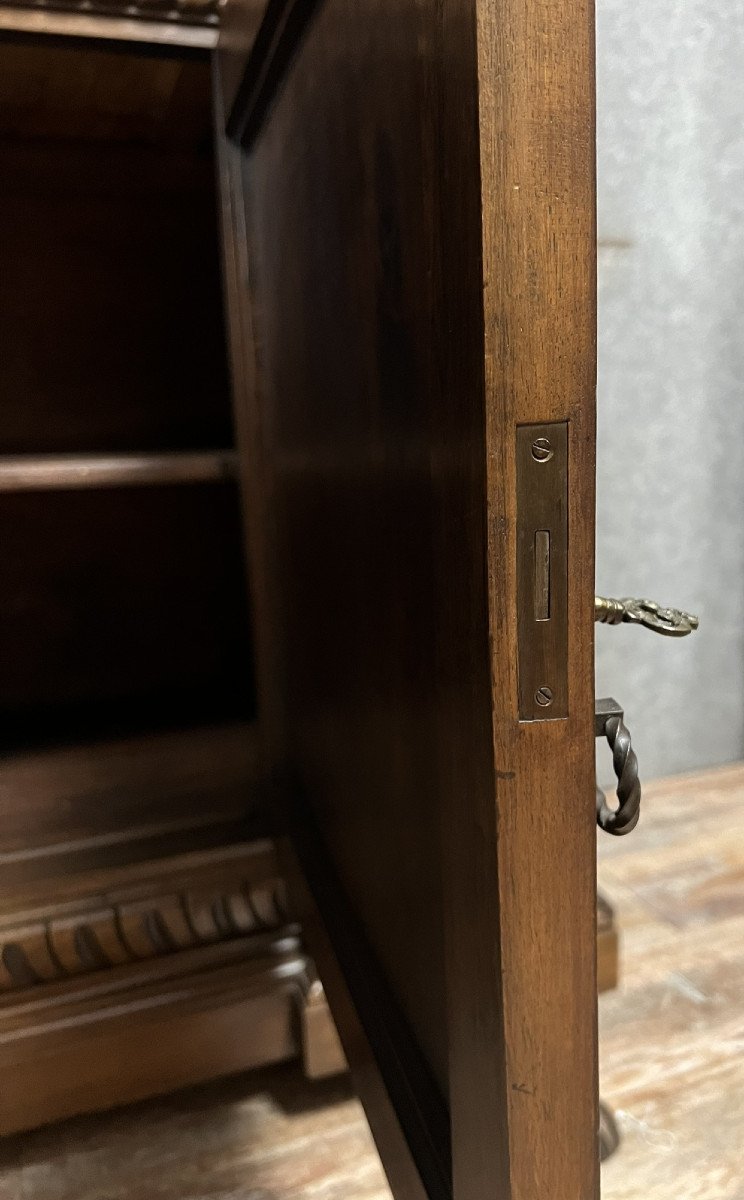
column 268, row 1135
column 672, row 1036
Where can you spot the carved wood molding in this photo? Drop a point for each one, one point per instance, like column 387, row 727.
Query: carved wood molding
column 129, row 914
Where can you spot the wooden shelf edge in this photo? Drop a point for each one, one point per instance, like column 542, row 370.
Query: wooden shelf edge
column 109, row 803
column 106, row 28
column 150, row 1040
column 26, row 473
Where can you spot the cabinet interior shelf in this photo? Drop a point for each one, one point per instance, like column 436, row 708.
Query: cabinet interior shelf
column 163, row 792
column 125, row 28
column 26, row 473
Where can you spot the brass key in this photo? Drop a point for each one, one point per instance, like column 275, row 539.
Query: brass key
column 672, row 622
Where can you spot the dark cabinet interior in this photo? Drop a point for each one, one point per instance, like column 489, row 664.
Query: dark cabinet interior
column 122, row 605
column 122, row 610
column 135, row 898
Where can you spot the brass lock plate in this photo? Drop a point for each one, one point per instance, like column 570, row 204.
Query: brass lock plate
column 542, row 570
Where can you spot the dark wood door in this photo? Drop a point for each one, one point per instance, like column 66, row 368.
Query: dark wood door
column 408, row 197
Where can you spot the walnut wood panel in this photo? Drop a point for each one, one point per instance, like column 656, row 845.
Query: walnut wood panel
column 102, row 95
column 253, row 473
column 390, row 1127
column 343, row 233
column 537, row 155
column 75, row 807
column 110, row 289
column 419, row 196
column 121, row 610
column 239, row 23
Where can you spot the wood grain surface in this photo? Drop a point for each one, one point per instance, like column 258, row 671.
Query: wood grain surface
column 537, row 152
column 419, row 184
column 110, row 289
column 121, row 609
column 121, row 801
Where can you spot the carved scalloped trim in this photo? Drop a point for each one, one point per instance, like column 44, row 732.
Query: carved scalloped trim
column 109, row 935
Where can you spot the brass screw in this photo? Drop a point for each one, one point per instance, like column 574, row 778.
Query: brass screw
column 544, row 697
column 542, row 451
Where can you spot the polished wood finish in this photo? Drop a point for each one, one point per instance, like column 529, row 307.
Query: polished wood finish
column 418, row 191
column 240, row 22
column 409, row 267
column 144, row 942
column 121, row 610
column 110, row 289
column 536, row 120
column 23, row 473
column 253, row 474
column 370, row 1034
column 144, row 795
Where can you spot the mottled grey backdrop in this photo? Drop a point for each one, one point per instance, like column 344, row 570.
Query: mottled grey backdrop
column 670, row 482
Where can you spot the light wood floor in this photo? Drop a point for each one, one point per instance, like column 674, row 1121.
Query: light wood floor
column 672, row 1056
column 672, row 1037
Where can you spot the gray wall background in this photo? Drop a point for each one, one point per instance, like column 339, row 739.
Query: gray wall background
column 670, row 475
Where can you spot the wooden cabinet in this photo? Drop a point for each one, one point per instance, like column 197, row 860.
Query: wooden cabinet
column 411, row 200
column 405, row 199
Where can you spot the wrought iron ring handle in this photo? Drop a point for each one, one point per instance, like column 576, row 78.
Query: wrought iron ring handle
column 609, row 723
